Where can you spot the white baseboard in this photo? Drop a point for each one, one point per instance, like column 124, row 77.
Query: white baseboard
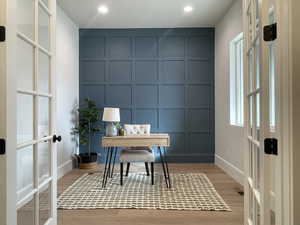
column 230, row 169
column 65, row 168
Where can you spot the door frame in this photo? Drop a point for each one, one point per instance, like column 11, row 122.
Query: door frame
column 285, row 104
column 8, row 114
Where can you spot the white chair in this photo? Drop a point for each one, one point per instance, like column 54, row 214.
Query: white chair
column 137, row 153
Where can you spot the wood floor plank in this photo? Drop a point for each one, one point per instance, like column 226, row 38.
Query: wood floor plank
column 226, row 187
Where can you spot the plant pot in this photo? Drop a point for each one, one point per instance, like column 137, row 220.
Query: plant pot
column 88, row 162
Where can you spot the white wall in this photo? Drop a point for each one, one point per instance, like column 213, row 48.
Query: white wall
column 228, row 139
column 67, row 46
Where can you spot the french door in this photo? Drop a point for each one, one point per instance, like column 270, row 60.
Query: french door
column 263, row 91
column 28, row 165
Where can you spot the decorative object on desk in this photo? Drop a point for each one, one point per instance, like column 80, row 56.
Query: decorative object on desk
column 88, row 125
column 111, row 115
column 121, row 130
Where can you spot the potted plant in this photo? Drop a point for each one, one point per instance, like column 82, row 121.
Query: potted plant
column 88, row 125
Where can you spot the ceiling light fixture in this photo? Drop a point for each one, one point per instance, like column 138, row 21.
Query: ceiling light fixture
column 103, row 9
column 188, row 9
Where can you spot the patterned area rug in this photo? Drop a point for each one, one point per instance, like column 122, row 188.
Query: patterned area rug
column 191, row 191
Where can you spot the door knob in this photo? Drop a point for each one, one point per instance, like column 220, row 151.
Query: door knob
column 56, row 138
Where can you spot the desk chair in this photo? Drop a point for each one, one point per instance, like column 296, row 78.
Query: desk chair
column 135, row 153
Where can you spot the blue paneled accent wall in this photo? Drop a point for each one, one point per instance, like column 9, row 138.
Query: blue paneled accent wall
column 164, row 77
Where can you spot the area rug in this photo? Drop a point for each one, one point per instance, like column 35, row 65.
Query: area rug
column 190, row 191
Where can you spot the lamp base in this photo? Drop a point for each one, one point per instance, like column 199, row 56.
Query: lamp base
column 111, row 130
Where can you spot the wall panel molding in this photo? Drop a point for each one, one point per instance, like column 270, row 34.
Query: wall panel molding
column 160, row 76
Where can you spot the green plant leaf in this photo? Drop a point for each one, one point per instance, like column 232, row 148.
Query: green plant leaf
column 88, row 124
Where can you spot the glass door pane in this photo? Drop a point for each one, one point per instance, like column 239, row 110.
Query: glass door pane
column 25, row 172
column 25, row 22
column 44, row 161
column 258, row 72
column 25, row 115
column 25, row 65
column 251, row 76
column 43, row 73
column 45, row 204
column 250, row 102
column 44, row 32
column 43, row 117
column 272, row 88
column 26, row 213
column 258, row 126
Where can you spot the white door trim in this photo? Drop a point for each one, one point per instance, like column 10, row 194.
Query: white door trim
column 286, row 105
column 8, row 101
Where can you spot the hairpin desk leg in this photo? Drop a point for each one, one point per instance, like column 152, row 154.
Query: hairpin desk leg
column 109, row 164
column 167, row 166
column 105, row 167
column 114, row 161
column 163, row 166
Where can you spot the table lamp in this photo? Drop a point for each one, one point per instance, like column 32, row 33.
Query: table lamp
column 111, row 115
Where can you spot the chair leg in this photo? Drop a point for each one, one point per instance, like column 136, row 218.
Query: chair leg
column 152, row 173
column 121, row 173
column 127, row 169
column 147, row 168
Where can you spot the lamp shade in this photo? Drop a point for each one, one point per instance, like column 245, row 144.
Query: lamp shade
column 111, row 115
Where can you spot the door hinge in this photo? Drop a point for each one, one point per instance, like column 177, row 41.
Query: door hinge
column 2, row 146
column 2, row 33
column 271, row 146
column 270, row 32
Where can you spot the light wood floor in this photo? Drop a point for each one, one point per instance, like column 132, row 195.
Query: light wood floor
column 226, row 187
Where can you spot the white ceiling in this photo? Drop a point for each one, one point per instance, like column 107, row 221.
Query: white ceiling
column 145, row 13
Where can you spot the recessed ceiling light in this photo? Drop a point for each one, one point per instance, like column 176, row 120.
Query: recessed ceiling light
column 103, row 9
column 188, row 9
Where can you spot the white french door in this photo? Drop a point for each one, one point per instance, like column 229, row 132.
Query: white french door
column 263, row 172
column 28, row 179
column 254, row 156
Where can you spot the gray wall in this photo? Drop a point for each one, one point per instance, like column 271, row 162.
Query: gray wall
column 160, row 76
column 229, row 139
